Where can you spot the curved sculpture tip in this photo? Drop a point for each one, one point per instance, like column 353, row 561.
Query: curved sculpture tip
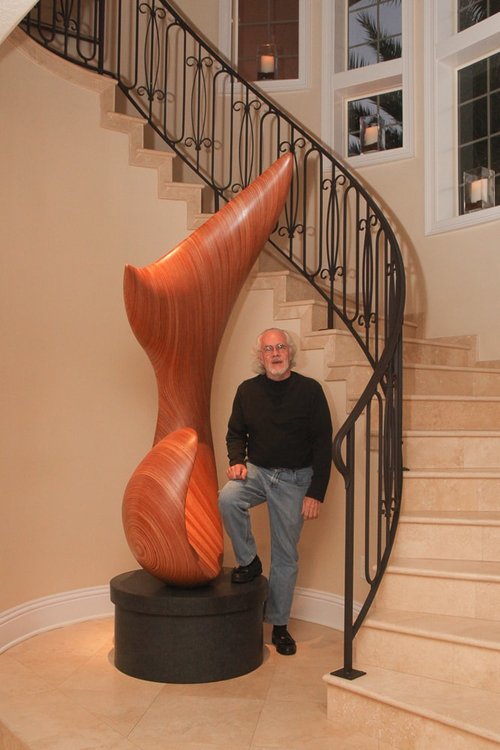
column 178, row 308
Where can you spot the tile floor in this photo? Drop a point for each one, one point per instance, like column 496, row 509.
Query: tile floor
column 60, row 691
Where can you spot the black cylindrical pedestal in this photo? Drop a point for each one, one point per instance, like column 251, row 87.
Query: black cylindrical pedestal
column 181, row 635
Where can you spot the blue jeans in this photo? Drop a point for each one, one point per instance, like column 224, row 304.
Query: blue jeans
column 284, row 490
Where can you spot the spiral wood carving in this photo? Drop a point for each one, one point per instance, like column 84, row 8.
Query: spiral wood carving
column 178, row 308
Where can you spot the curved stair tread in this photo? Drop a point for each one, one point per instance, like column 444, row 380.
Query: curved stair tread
column 469, row 709
column 452, row 517
column 452, row 473
column 453, row 433
column 475, row 570
column 465, row 630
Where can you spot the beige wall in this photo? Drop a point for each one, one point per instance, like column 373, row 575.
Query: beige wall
column 78, row 398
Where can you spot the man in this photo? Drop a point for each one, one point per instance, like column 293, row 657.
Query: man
column 279, row 448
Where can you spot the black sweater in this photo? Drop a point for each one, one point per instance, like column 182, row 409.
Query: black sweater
column 282, row 424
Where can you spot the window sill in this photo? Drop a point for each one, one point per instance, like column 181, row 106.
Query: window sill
column 475, row 218
column 282, row 84
column 379, row 157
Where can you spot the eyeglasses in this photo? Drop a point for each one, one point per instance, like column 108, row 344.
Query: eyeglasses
column 270, row 348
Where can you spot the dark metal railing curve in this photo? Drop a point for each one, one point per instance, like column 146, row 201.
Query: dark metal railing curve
column 331, row 231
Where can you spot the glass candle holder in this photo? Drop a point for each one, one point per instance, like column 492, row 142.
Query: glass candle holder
column 371, row 133
column 479, row 189
column 267, row 62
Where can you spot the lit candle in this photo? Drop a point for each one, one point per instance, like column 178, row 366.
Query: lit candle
column 479, row 191
column 371, row 135
column 267, row 63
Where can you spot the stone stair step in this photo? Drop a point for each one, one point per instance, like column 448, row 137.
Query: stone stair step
column 153, row 159
column 447, row 489
column 421, row 379
column 451, row 449
column 472, row 535
column 408, row 711
column 451, row 381
column 464, row 588
column 415, row 350
column 337, row 344
column 451, row 412
column 190, row 193
column 131, row 126
column 292, row 291
column 288, row 285
column 342, row 348
column 430, row 351
column 461, row 650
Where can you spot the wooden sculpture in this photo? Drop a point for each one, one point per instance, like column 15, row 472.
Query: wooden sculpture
column 178, row 308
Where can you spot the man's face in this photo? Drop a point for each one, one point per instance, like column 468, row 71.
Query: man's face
column 274, row 355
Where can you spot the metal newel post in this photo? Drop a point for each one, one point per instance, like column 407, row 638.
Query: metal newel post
column 347, row 672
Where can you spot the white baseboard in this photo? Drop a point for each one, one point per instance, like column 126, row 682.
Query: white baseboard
column 320, row 607
column 59, row 610
column 50, row 612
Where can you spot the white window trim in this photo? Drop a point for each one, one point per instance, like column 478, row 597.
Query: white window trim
column 445, row 51
column 228, row 41
column 339, row 85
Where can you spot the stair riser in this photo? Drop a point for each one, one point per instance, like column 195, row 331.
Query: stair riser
column 345, row 349
column 422, row 382
column 447, row 542
column 451, row 451
column 313, row 317
column 394, row 727
column 432, row 354
column 293, row 287
column 451, row 383
column 451, row 415
column 450, row 493
column 458, row 663
column 446, row 596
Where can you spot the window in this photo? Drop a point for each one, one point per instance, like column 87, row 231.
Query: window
column 474, row 11
column 267, row 41
column 387, row 109
column 461, row 99
column 374, row 32
column 370, row 75
column 479, row 120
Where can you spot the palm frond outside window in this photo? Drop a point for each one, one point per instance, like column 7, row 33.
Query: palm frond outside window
column 374, row 32
column 471, row 12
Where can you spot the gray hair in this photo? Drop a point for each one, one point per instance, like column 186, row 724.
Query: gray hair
column 292, row 349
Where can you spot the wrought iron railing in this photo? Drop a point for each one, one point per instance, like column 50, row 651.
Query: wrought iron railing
column 331, row 230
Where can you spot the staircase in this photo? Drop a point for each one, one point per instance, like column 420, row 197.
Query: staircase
column 431, row 644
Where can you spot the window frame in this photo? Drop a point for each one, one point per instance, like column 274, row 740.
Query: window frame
column 340, row 85
column 446, row 50
column 228, row 43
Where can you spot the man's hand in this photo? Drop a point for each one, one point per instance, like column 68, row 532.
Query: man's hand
column 310, row 508
column 238, row 471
